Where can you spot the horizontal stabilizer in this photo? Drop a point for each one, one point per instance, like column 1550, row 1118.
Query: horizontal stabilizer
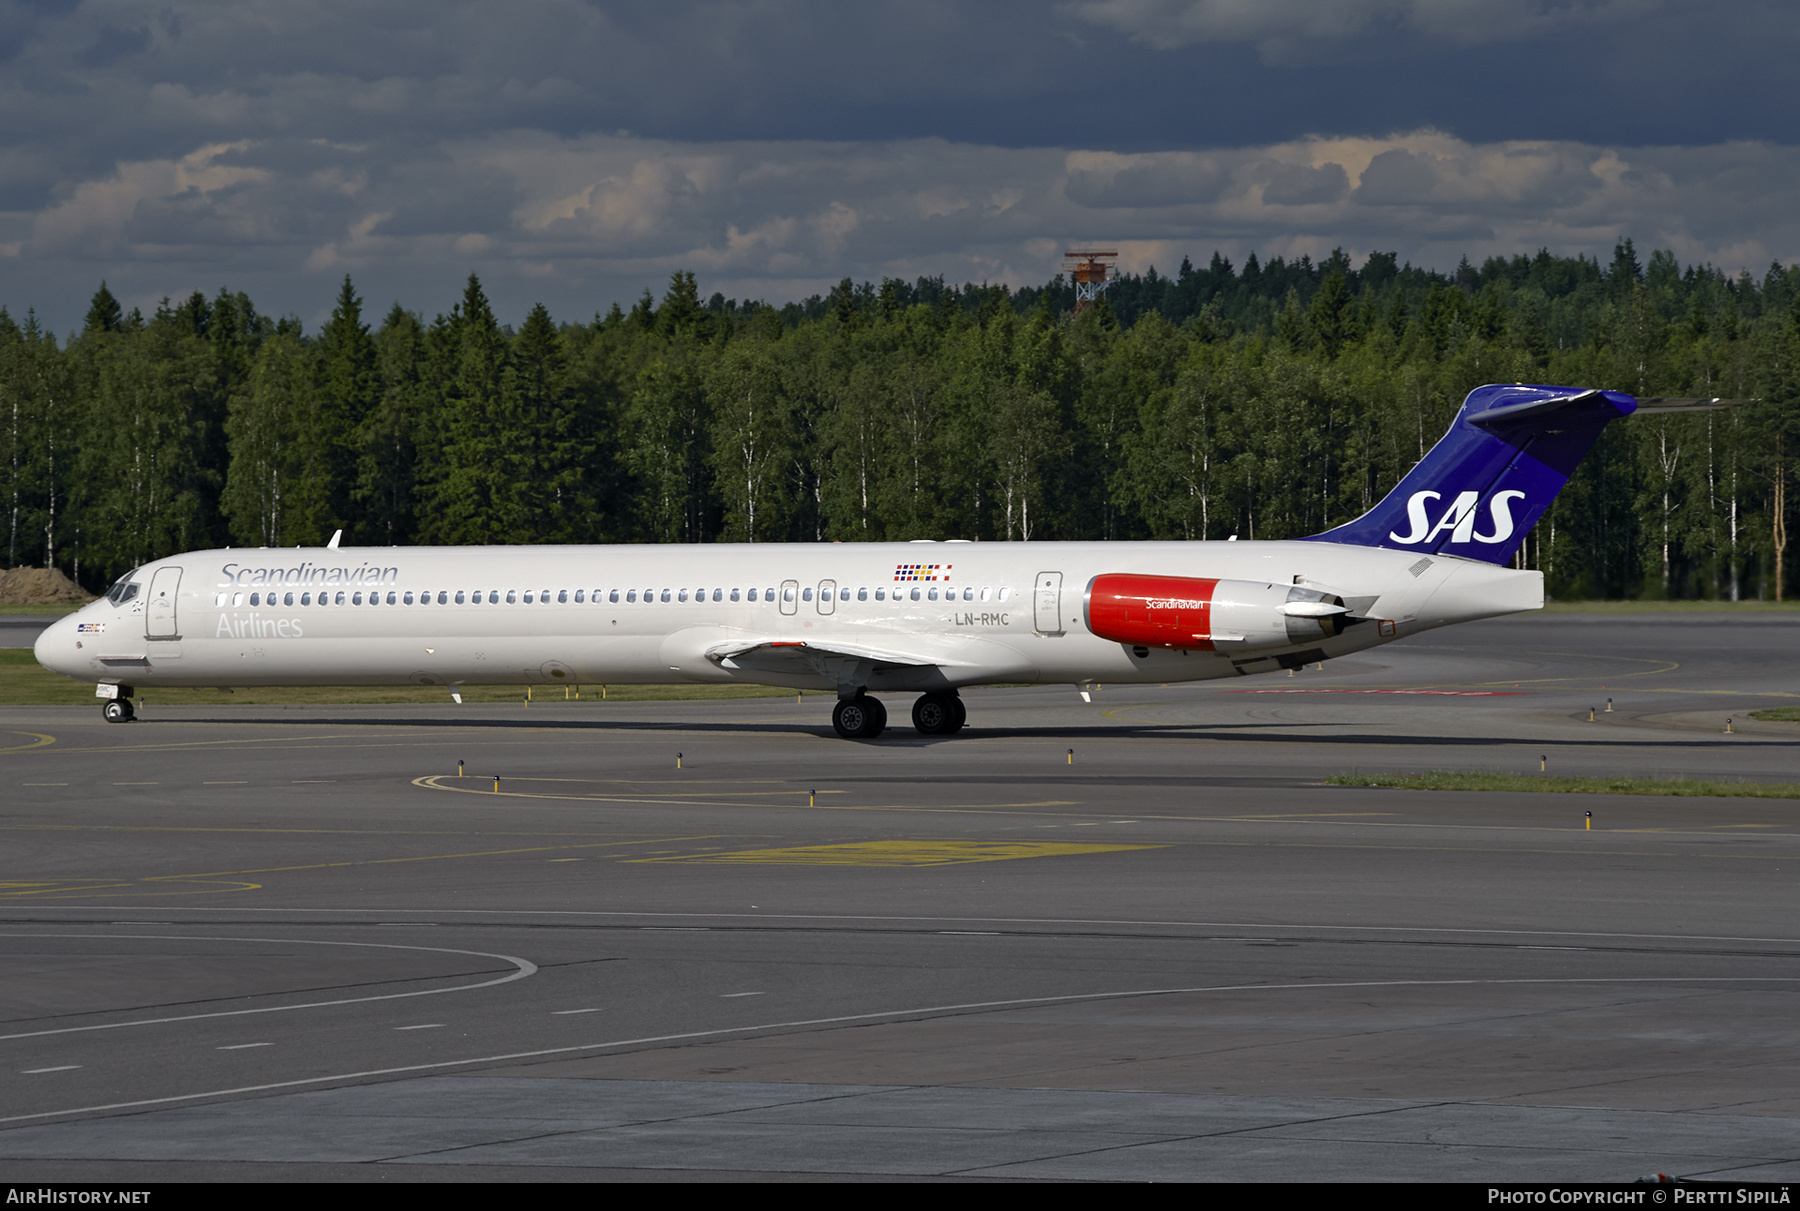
column 1662, row 404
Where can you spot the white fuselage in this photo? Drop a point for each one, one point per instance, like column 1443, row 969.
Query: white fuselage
column 982, row 612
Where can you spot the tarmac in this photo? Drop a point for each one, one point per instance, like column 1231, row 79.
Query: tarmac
column 1138, row 938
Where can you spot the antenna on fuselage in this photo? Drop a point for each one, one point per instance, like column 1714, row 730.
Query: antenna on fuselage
column 332, row 545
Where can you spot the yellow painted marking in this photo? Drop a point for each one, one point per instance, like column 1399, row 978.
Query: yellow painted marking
column 897, row 853
column 193, row 885
column 38, row 740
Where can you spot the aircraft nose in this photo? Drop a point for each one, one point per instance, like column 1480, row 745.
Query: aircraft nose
column 55, row 648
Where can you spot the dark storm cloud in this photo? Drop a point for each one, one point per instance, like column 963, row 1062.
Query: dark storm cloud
column 576, row 152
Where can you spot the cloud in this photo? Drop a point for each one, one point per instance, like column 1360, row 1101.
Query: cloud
column 581, row 222
column 1276, row 26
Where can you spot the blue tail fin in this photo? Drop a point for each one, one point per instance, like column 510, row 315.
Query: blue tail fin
column 1488, row 480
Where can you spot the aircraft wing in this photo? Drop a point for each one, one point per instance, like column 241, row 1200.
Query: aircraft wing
column 822, row 659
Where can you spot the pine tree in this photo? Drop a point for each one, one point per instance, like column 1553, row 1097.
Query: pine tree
column 349, row 390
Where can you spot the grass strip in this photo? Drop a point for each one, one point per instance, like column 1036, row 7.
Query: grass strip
column 1448, row 780
column 1778, row 714
column 24, row 682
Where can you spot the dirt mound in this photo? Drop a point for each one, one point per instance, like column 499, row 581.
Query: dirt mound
column 39, row 586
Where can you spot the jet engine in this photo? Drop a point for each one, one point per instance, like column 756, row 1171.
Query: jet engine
column 1209, row 615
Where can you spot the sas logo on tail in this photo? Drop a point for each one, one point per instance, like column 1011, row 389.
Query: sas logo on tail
column 1459, row 518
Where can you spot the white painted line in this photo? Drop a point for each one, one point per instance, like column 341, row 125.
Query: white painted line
column 523, row 968
column 243, row 783
column 62, row 1068
column 558, row 1013
column 425, row 1026
column 727, row 996
column 242, row 1046
column 43, row 784
column 917, row 1012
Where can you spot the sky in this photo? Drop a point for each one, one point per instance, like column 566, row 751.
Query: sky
column 576, row 153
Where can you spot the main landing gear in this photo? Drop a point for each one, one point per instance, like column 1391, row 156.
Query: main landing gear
column 864, row 718
column 859, row 718
column 940, row 714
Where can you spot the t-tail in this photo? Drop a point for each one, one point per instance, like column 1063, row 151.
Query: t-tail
column 1488, row 480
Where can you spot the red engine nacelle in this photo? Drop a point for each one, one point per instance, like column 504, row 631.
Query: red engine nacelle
column 1209, row 615
column 1152, row 611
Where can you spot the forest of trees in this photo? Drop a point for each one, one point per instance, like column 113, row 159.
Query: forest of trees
column 1267, row 401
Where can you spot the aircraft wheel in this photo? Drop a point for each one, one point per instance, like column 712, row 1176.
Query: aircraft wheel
column 118, row 711
column 962, row 714
column 935, row 715
column 878, row 717
column 855, row 718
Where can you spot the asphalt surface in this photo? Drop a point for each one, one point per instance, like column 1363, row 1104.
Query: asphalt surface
column 293, row 944
column 22, row 630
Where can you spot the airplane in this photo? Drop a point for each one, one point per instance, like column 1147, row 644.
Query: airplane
column 861, row 619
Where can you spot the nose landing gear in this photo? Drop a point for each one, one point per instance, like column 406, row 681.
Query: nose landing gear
column 118, row 710
column 859, row 718
column 939, row 714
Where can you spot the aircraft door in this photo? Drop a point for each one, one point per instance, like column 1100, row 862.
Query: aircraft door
column 1047, row 603
column 827, row 596
column 159, row 610
column 790, row 596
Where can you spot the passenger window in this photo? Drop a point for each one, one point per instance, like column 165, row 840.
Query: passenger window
column 581, row 597
column 253, row 600
column 843, row 594
column 932, row 593
column 287, row 599
column 806, row 593
column 543, row 596
column 459, row 597
column 915, row 594
column 969, row 594
column 984, row 592
column 665, row 596
column 631, row 595
column 681, row 596
column 562, row 596
column 1004, row 592
column 237, row 599
column 391, row 597
column 408, row 599
column 512, row 595
column 340, row 599
column 880, row 594
column 862, row 594
column 356, row 599
column 306, row 599
column 752, row 594
column 614, row 595
column 719, row 594
column 734, row 594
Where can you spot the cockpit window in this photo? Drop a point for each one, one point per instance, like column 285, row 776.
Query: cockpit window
column 124, row 588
